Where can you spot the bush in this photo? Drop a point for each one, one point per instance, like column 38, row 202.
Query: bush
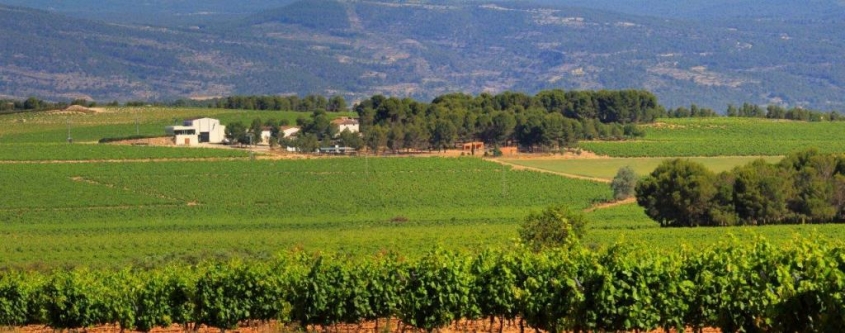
column 624, row 184
column 131, row 137
column 556, row 226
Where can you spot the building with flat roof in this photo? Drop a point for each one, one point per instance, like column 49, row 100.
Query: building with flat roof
column 197, row 130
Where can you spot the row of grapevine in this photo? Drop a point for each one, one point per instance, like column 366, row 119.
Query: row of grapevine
column 709, row 148
column 740, row 286
column 94, row 152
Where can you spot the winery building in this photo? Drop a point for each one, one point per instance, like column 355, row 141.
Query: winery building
column 198, row 130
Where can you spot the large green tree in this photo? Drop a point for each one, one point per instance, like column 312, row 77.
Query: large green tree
column 761, row 193
column 678, row 193
column 444, row 134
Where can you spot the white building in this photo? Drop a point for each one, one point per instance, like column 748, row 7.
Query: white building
column 183, row 135
column 209, row 129
column 266, row 135
column 198, row 130
column 346, row 123
column 288, row 131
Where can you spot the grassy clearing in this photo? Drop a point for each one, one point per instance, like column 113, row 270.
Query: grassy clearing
column 606, row 168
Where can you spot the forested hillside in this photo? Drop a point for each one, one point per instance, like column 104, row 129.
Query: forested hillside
column 419, row 50
column 154, row 12
column 716, row 10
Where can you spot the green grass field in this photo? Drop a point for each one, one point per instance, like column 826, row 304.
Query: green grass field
column 726, row 137
column 606, row 168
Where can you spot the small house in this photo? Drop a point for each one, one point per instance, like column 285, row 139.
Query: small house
column 475, row 146
column 346, row 123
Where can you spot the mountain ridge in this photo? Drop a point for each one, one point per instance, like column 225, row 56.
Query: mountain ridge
column 357, row 49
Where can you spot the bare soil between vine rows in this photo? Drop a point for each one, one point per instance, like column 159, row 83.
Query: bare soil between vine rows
column 463, row 326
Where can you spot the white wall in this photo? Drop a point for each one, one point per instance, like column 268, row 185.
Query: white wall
column 186, row 140
column 265, row 137
column 216, row 132
column 351, row 128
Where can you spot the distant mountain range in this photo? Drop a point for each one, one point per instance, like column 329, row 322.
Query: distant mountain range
column 422, row 49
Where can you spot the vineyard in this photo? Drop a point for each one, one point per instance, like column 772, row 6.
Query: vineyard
column 52, row 127
column 725, row 137
column 147, row 237
column 749, row 285
column 606, row 168
column 118, row 213
column 101, row 152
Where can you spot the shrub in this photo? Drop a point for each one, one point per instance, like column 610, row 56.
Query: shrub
column 624, row 184
column 555, row 226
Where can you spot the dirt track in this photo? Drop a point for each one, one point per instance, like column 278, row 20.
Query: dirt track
column 568, row 175
column 611, row 204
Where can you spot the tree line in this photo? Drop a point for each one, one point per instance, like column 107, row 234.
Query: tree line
column 308, row 103
column 778, row 112
column 804, row 187
column 551, row 119
column 36, row 104
column 735, row 286
column 747, row 110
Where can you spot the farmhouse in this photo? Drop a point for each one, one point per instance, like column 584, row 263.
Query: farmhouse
column 194, row 131
column 346, row 123
column 288, row 131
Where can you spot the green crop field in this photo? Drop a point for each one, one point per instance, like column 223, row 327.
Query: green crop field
column 726, row 137
column 98, row 152
column 629, row 224
column 149, row 205
column 606, row 168
column 115, row 213
column 52, row 127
